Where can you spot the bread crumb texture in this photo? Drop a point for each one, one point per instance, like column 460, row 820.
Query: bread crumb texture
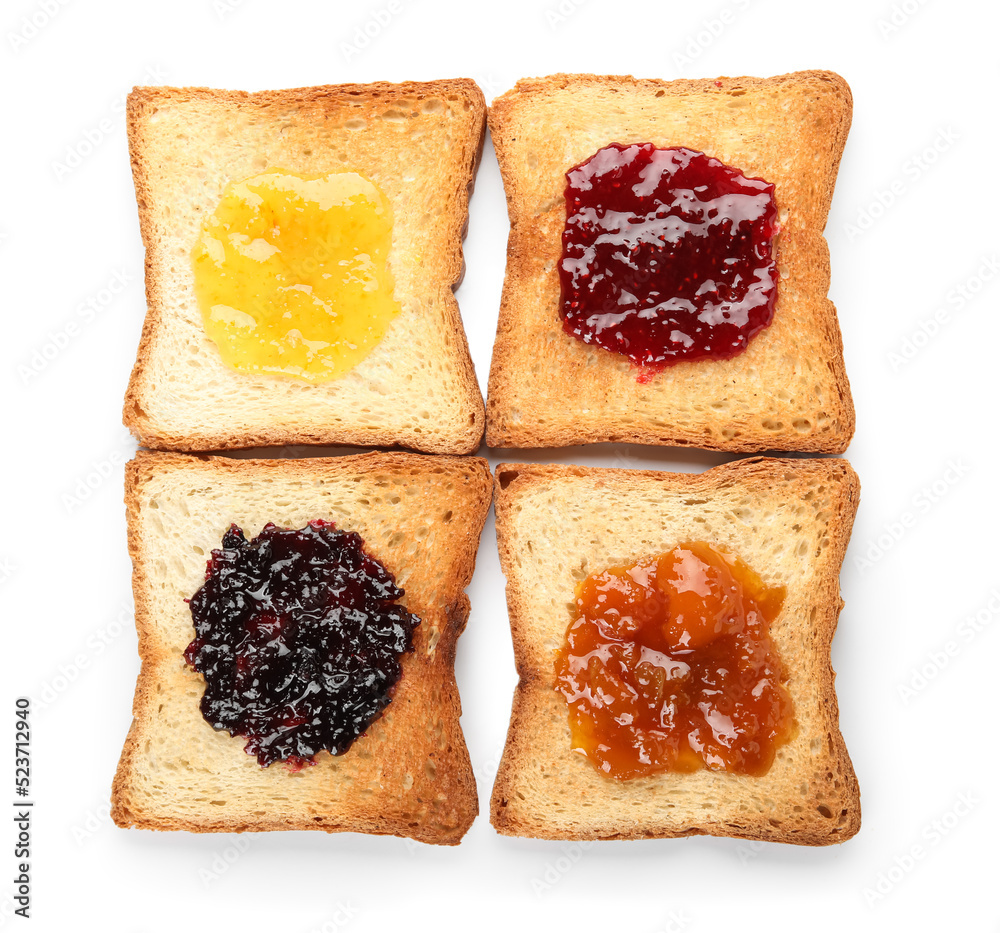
column 410, row 774
column 420, row 143
column 790, row 521
column 789, row 390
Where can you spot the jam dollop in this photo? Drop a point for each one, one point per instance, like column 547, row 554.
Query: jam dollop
column 669, row 666
column 298, row 636
column 667, row 255
column 291, row 273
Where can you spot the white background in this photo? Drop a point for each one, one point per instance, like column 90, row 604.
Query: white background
column 925, row 138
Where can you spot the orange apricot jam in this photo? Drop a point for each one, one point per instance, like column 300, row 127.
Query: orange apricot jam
column 669, row 666
column 291, row 273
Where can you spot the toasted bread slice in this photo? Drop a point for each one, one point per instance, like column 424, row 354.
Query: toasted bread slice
column 409, row 775
column 420, row 143
column 790, row 520
column 788, row 390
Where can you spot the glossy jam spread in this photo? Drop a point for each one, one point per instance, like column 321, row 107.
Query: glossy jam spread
column 669, row 666
column 298, row 637
column 290, row 273
column 667, row 255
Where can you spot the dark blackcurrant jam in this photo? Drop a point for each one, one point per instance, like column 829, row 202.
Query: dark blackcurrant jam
column 298, row 637
column 667, row 255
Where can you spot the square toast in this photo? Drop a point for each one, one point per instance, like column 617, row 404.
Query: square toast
column 409, row 774
column 790, row 521
column 788, row 390
column 420, row 143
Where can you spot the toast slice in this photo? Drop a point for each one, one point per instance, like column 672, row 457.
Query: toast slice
column 410, row 774
column 790, row 521
column 788, row 390
column 420, row 143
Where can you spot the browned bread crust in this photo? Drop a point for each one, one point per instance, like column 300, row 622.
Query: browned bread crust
column 420, row 142
column 789, row 389
column 410, row 774
column 790, row 520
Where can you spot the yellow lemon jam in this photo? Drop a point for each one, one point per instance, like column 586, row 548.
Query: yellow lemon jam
column 290, row 273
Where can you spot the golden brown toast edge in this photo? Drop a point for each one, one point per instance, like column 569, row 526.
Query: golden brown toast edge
column 134, row 414
column 516, row 417
column 535, row 701
column 449, row 782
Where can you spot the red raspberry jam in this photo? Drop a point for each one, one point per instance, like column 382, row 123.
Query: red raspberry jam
column 298, row 637
column 667, row 255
